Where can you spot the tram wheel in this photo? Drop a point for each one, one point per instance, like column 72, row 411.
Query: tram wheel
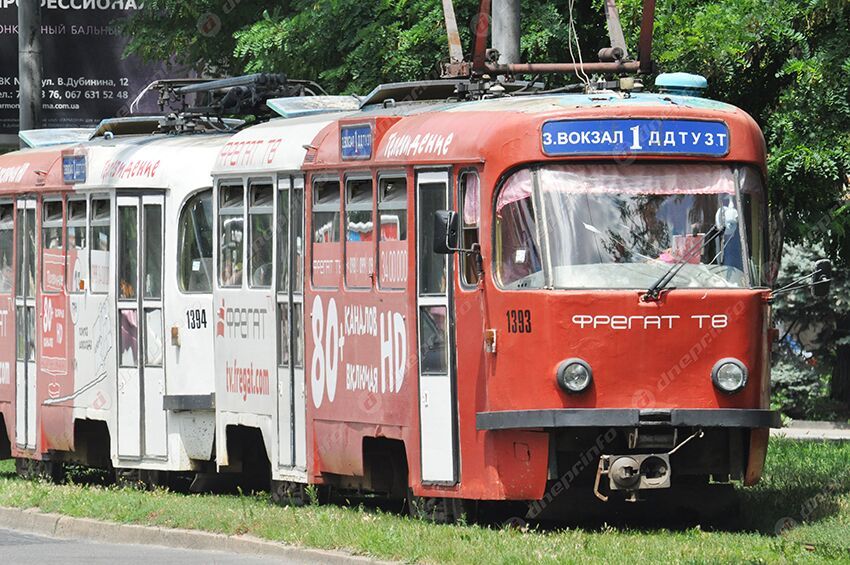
column 32, row 469
column 289, row 493
column 439, row 510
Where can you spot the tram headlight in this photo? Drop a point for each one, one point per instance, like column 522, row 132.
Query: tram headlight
column 729, row 375
column 574, row 375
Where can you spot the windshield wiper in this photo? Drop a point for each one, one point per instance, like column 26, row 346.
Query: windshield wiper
column 654, row 291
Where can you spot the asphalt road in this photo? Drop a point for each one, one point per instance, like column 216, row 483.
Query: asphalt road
column 19, row 548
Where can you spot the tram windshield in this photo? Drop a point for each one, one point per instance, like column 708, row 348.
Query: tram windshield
column 624, row 226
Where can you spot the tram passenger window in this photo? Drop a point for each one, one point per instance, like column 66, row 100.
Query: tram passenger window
column 286, row 353
column 359, row 233
column 326, row 252
column 128, row 264
column 470, row 203
column 298, row 235
column 7, row 226
column 153, row 337
column 261, row 242
column 283, row 348
column 20, row 341
column 298, row 329
column 753, row 206
column 231, row 229
column 30, row 340
column 195, row 244
column 76, row 243
column 283, row 257
column 99, row 241
column 129, row 338
column 517, row 252
column 392, row 247
column 51, row 221
column 432, row 266
column 326, row 212
column 19, row 253
column 153, row 251
column 52, row 255
column 393, row 209
column 358, row 210
column 432, row 339
column 30, row 242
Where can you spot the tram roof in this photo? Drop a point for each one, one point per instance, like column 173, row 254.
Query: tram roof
column 32, row 170
column 160, row 161
column 314, row 142
column 278, row 145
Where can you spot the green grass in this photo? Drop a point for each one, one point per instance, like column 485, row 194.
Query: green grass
column 808, row 482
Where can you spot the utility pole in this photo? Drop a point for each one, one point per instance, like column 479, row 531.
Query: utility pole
column 506, row 30
column 29, row 64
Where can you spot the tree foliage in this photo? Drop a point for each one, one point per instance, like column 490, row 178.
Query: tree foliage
column 813, row 333
column 786, row 63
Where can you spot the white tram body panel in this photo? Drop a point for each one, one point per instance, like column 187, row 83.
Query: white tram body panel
column 259, row 349
column 144, row 323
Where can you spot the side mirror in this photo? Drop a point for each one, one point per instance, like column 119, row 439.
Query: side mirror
column 445, row 232
column 821, row 278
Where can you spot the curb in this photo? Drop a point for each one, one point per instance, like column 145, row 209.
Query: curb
column 56, row 525
column 811, row 434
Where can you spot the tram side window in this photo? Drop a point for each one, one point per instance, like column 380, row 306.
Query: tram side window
column 99, row 241
column 7, row 226
column 53, row 260
column 753, row 206
column 392, row 247
column 518, row 258
column 195, row 244
column 470, row 203
column 359, row 233
column 260, row 242
column 128, row 260
column 326, row 260
column 231, row 231
column 77, row 259
column 298, row 235
column 283, row 258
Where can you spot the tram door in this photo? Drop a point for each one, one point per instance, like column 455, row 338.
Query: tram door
column 290, row 315
column 437, row 413
column 141, row 370
column 25, row 318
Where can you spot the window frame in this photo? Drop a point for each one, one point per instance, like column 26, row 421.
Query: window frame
column 465, row 259
column 73, row 286
column 184, row 209
column 383, row 205
column 325, row 208
column 253, row 210
column 348, row 182
column 226, row 211
column 52, row 224
column 9, row 225
column 92, row 223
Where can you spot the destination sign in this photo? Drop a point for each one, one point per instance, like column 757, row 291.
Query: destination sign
column 635, row 137
column 356, row 142
column 74, row 169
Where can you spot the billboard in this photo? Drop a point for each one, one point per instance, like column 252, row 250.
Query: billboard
column 85, row 76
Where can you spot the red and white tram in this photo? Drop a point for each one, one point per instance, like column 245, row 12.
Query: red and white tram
column 480, row 300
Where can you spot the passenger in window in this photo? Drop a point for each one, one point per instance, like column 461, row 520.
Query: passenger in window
column 6, row 273
column 231, row 276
